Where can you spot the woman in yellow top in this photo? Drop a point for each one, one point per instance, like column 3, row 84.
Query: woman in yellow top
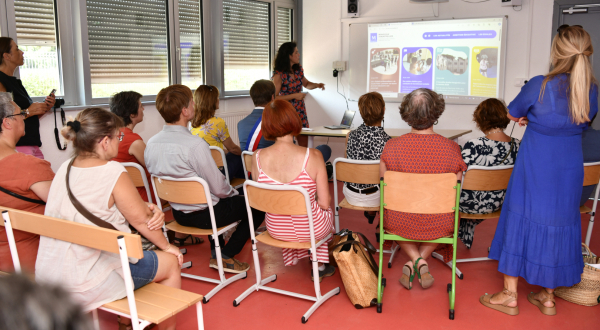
column 214, row 129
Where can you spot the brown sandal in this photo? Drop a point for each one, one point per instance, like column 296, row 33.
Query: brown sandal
column 407, row 277
column 503, row 307
column 547, row 296
column 424, row 275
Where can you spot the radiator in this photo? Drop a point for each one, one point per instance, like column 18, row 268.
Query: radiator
column 232, row 119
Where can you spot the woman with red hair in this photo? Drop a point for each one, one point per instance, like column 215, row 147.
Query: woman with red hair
column 285, row 163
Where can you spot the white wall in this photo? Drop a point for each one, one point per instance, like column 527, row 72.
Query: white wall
column 326, row 39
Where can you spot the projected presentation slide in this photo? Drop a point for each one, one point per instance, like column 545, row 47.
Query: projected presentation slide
column 458, row 58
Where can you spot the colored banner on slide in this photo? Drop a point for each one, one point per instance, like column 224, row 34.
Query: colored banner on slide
column 484, row 71
column 384, row 76
column 452, row 70
column 417, row 69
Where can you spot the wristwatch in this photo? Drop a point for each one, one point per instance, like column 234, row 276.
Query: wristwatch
column 26, row 112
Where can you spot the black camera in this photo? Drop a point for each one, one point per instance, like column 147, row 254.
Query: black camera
column 59, row 102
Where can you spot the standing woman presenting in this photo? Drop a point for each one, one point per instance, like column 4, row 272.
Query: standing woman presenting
column 288, row 77
column 539, row 232
column 11, row 57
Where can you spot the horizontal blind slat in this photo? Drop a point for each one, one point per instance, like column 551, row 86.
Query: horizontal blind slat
column 35, row 21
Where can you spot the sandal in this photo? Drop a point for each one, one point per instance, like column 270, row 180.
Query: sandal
column 502, row 307
column 369, row 217
column 407, row 276
column 547, row 296
column 181, row 241
column 425, row 277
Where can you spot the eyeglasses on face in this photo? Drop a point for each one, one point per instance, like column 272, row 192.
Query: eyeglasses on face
column 22, row 113
column 563, row 27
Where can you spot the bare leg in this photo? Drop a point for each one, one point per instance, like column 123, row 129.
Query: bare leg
column 510, row 283
column 426, row 249
column 168, row 274
column 411, row 248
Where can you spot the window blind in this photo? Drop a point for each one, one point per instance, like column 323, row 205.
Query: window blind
column 35, row 22
column 190, row 40
column 284, row 25
column 246, row 33
column 127, row 40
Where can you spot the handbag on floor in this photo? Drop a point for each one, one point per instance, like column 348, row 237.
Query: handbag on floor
column 357, row 268
column 586, row 292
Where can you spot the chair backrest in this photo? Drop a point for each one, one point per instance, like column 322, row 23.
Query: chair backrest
column 218, row 155
column 247, row 162
column 138, row 176
column 356, row 171
column 591, row 173
column 420, row 193
column 485, row 178
column 277, row 199
column 87, row 235
column 192, row 190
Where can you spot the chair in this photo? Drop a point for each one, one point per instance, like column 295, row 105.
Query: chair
column 284, row 199
column 247, row 162
column 153, row 303
column 195, row 191
column 424, row 194
column 219, row 156
column 591, row 176
column 356, row 171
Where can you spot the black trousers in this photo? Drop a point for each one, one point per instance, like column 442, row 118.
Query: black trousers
column 227, row 211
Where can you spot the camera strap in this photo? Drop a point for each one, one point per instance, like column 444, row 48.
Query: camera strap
column 56, row 135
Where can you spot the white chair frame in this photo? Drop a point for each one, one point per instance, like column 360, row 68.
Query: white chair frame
column 136, row 323
column 588, row 235
column 222, row 282
column 395, row 247
column 246, row 170
column 225, row 164
column 260, row 282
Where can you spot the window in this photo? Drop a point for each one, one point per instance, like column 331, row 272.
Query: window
column 128, row 48
column 190, row 42
column 37, row 37
column 246, row 43
column 284, row 25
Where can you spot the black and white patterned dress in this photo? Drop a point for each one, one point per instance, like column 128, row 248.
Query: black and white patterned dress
column 366, row 143
column 484, row 152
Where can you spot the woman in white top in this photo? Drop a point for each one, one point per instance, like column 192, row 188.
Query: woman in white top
column 104, row 188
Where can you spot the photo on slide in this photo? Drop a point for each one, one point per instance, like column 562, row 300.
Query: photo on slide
column 451, row 65
column 384, row 76
column 418, row 62
column 488, row 62
column 484, row 71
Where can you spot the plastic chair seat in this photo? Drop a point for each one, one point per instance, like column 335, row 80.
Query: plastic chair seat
column 345, row 205
column 156, row 302
column 480, row 216
column 266, row 238
column 174, row 226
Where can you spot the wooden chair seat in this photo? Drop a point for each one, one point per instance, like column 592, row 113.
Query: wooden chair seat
column 345, row 205
column 156, row 302
column 480, row 216
column 4, row 274
column 585, row 209
column 267, row 239
column 236, row 182
column 174, row 226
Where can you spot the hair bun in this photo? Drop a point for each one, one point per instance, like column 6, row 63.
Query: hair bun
column 75, row 125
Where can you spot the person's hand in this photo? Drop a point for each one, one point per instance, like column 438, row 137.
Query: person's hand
column 523, row 121
column 299, row 96
column 38, row 108
column 175, row 251
column 50, row 100
column 158, row 218
column 321, row 86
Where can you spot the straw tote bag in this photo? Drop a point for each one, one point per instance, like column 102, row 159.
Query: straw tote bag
column 357, row 268
column 586, row 292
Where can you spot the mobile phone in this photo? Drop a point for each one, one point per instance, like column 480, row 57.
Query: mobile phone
column 53, row 91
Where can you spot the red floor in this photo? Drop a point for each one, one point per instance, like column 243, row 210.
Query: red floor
column 426, row 309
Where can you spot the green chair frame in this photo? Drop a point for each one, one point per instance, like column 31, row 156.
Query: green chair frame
column 433, row 187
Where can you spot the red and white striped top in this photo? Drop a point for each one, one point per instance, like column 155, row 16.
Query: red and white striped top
column 294, row 228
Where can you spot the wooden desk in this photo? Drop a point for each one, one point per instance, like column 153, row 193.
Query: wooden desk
column 452, row 134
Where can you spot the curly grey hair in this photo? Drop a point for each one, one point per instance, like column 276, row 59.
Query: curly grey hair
column 421, row 108
column 6, row 107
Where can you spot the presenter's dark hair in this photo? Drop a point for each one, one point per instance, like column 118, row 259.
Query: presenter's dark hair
column 125, row 104
column 421, row 108
column 5, row 47
column 371, row 107
column 280, row 119
column 262, row 91
column 490, row 114
column 282, row 59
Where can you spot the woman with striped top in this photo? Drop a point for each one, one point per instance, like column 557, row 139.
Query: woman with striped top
column 285, row 163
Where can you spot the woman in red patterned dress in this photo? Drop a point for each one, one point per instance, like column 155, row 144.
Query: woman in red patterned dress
column 421, row 151
column 288, row 77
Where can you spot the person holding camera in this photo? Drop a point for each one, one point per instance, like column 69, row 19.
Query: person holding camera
column 11, row 57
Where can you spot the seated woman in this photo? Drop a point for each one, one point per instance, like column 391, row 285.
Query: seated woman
column 214, row 129
column 23, row 175
column 366, row 143
column 285, row 163
column 493, row 149
column 421, row 151
column 128, row 106
column 104, row 188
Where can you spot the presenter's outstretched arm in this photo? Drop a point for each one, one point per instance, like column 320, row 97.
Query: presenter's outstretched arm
column 311, row 85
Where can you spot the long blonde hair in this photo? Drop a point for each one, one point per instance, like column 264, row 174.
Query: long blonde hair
column 571, row 51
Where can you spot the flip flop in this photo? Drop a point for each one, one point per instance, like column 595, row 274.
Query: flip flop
column 181, row 241
column 485, row 301
column 540, row 303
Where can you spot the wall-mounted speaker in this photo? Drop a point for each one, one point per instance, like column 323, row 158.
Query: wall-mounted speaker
column 353, row 9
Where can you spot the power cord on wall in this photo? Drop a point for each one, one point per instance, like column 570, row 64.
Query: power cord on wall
column 338, row 89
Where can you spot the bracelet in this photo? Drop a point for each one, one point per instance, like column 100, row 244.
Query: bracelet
column 168, row 247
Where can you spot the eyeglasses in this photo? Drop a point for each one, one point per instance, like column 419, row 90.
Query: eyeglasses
column 22, row 113
column 562, row 28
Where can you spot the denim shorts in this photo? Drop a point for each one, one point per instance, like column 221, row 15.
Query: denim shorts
column 145, row 270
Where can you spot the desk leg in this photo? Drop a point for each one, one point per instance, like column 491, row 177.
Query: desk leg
column 311, row 141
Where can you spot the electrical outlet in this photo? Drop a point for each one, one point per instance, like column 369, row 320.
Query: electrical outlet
column 339, row 65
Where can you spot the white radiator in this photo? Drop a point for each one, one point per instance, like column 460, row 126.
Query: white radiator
column 232, row 119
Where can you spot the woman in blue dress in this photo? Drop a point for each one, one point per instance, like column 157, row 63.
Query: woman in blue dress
column 539, row 232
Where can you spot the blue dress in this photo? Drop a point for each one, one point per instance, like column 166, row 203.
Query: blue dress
column 539, row 232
